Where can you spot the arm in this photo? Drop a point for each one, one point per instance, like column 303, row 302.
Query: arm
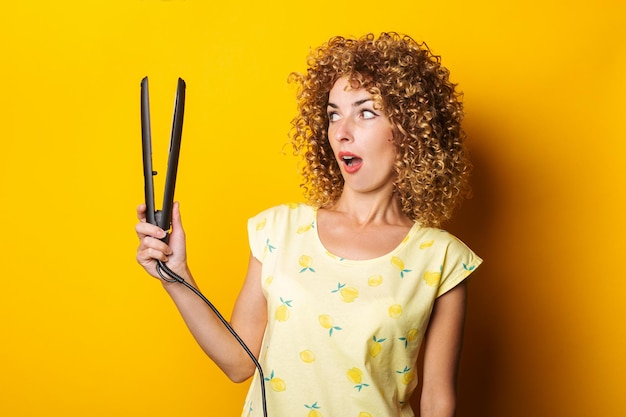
column 442, row 352
column 250, row 313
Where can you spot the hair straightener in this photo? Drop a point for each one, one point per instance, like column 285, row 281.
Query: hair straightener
column 163, row 217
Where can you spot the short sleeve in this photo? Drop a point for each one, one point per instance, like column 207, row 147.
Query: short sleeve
column 256, row 235
column 458, row 263
column 267, row 227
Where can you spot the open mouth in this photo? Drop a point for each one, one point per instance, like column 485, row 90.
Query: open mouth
column 351, row 160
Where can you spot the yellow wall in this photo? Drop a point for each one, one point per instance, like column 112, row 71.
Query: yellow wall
column 85, row 333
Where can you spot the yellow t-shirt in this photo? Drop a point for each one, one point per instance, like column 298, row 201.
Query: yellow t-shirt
column 343, row 335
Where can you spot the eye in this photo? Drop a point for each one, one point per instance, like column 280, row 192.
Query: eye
column 333, row 116
column 368, row 114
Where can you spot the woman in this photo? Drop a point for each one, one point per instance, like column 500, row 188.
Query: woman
column 341, row 291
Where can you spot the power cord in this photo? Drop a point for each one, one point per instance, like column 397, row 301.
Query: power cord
column 168, row 275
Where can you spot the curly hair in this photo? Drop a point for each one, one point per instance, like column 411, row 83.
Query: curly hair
column 414, row 90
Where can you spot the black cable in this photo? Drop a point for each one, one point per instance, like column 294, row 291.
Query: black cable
column 163, row 270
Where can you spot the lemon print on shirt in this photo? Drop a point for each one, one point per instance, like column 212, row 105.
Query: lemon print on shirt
column 410, row 336
column 348, row 294
column 375, row 346
column 365, row 414
column 375, row 280
column 432, row 278
column 355, row 375
column 305, row 262
column 282, row 312
column 305, row 228
column 327, row 322
column 314, row 410
column 426, row 244
column 408, row 375
column 395, row 311
column 307, row 356
column 398, row 263
column 268, row 247
column 261, row 224
column 276, row 384
column 468, row 269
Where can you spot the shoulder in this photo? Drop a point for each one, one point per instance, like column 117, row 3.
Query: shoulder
column 454, row 259
column 274, row 226
column 282, row 215
column 437, row 239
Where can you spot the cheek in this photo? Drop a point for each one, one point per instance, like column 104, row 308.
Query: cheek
column 389, row 146
column 393, row 144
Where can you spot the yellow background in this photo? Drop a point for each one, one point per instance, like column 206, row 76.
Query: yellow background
column 85, row 333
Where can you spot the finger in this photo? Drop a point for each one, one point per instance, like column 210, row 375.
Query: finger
column 149, row 242
column 151, row 248
column 141, row 212
column 178, row 232
column 146, row 229
column 176, row 217
column 149, row 255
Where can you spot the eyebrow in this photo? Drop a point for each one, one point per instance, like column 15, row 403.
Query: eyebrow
column 355, row 104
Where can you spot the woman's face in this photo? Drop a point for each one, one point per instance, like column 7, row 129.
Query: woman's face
column 361, row 137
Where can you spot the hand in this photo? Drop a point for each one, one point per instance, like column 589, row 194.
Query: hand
column 151, row 248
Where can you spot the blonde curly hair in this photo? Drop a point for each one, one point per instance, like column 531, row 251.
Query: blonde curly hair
column 425, row 110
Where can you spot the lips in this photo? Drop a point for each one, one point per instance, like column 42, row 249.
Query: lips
column 351, row 162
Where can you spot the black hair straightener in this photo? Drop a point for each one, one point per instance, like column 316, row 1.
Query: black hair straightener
column 163, row 217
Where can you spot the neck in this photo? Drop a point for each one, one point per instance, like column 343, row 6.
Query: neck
column 372, row 208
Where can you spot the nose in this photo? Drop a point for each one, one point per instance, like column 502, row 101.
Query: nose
column 342, row 130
